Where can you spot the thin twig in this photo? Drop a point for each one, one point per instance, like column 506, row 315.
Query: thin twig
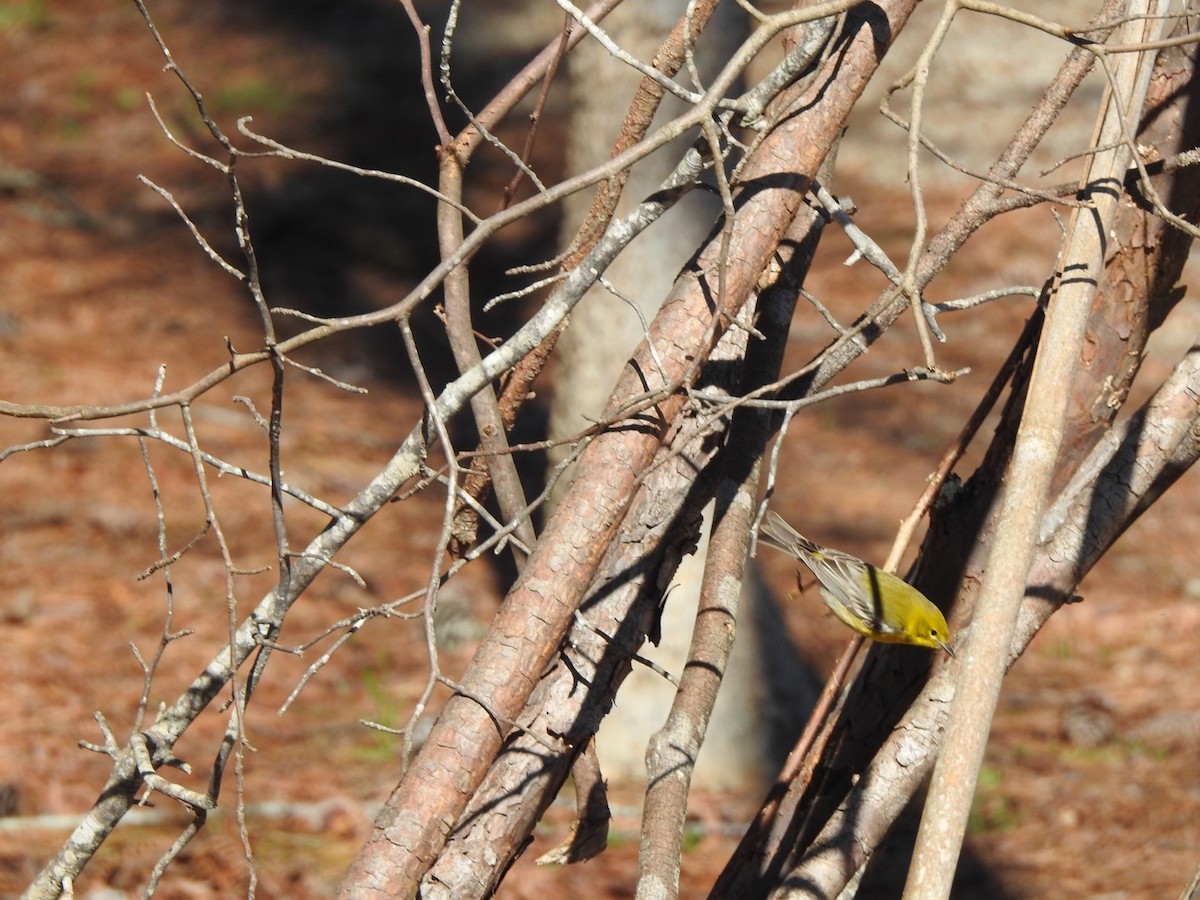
column 435, row 109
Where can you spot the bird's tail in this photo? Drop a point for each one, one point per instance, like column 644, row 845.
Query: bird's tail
column 777, row 533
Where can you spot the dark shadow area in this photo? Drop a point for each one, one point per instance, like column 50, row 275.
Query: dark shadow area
column 888, row 869
column 334, row 244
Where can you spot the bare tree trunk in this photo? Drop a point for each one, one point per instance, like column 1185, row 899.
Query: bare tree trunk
column 767, row 689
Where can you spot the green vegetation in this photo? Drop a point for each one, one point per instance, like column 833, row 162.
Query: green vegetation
column 253, row 95
column 991, row 810
column 30, row 14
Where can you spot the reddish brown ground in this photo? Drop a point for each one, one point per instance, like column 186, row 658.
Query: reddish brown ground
column 100, row 284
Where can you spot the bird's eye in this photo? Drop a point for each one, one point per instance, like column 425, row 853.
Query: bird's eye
column 933, row 632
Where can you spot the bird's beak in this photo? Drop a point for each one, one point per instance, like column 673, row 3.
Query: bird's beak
column 947, row 648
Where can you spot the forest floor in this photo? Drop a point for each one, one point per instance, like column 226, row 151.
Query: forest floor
column 100, row 283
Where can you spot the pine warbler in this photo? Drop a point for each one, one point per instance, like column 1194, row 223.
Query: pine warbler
column 874, row 603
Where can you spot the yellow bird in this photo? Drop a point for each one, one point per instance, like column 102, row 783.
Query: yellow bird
column 874, row 603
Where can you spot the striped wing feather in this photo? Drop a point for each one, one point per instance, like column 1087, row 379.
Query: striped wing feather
column 851, row 588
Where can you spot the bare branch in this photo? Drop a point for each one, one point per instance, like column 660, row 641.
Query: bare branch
column 1034, row 455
